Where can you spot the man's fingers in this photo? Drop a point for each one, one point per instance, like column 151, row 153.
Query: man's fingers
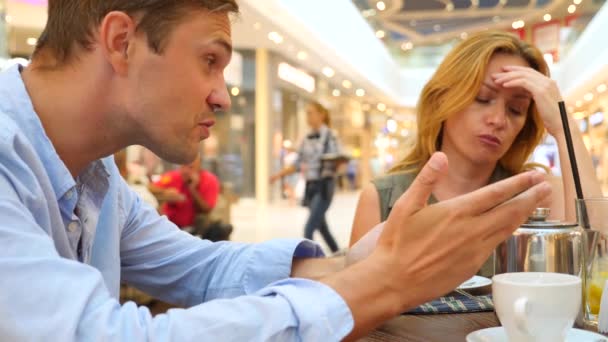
column 505, row 218
column 486, row 198
column 417, row 195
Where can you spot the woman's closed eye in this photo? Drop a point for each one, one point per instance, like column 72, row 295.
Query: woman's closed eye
column 483, row 100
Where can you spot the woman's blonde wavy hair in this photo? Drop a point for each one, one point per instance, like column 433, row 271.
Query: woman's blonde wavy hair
column 454, row 87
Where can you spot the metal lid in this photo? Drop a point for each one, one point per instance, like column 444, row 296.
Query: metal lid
column 538, row 219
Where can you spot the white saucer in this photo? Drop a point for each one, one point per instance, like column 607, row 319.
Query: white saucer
column 475, row 282
column 499, row 334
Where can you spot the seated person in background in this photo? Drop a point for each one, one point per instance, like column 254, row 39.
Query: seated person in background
column 486, row 107
column 120, row 158
column 198, row 191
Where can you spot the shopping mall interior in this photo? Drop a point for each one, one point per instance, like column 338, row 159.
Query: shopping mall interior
column 367, row 62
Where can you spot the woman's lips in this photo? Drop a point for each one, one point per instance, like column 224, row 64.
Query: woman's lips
column 489, row 140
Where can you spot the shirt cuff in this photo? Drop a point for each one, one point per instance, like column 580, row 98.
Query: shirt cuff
column 321, row 313
column 272, row 261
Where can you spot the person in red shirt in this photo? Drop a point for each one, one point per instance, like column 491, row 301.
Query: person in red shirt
column 197, row 191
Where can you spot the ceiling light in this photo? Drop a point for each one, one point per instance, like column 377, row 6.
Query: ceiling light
column 407, row 46
column 235, row 91
column 369, row 13
column 380, row 34
column 360, row 92
column 275, row 37
column 302, row 55
column 518, row 24
column 31, row 41
column 347, row 84
column 571, row 9
column 577, row 2
column 336, row 92
column 449, row 7
column 381, row 107
column 588, row 97
column 437, row 27
column 601, row 88
column 257, row 26
column 464, row 35
column 579, row 104
column 391, row 125
column 329, row 72
column 547, row 17
column 380, row 5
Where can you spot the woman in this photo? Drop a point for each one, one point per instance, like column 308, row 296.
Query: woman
column 319, row 169
column 486, row 107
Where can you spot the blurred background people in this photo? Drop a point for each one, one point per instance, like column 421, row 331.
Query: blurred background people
column 290, row 182
column 317, row 157
column 137, row 182
column 190, row 194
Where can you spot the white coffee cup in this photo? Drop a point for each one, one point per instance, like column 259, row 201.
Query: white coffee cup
column 536, row 306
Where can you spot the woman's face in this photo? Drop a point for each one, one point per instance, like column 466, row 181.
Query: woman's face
column 314, row 118
column 484, row 131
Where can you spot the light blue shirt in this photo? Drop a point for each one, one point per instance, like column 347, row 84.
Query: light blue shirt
column 66, row 244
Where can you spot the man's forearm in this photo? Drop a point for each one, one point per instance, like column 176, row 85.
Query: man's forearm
column 369, row 293
column 316, row 268
column 363, row 287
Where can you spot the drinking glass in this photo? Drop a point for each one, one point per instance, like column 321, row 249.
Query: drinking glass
column 593, row 213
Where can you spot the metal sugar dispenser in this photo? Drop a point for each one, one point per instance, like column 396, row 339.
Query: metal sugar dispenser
column 540, row 245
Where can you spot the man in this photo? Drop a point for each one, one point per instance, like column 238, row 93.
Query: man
column 110, row 73
column 198, row 190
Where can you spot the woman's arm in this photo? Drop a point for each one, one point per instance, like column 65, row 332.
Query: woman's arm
column 546, row 96
column 283, row 173
column 367, row 215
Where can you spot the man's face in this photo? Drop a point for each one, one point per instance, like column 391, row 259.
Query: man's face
column 172, row 96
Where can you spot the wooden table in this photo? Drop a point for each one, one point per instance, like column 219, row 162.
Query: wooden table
column 429, row 328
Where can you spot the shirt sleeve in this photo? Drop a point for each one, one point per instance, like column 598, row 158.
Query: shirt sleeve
column 334, row 145
column 47, row 295
column 297, row 163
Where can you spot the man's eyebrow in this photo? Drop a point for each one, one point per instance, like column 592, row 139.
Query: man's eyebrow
column 224, row 44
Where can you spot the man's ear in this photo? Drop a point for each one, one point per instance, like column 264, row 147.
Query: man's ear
column 116, row 39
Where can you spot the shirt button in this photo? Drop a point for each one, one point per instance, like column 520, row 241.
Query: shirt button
column 69, row 194
column 73, row 226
